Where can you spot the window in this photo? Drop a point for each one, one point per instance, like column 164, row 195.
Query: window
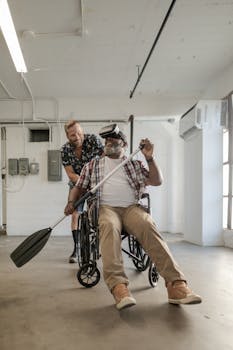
column 227, row 169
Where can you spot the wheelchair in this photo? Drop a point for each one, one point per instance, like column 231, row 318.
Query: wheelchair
column 88, row 274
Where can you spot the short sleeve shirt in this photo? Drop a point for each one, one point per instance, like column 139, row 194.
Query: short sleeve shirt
column 91, row 148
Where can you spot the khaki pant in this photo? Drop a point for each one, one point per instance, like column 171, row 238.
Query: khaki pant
column 138, row 223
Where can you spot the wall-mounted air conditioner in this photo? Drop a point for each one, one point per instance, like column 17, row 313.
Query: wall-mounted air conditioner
column 191, row 122
column 206, row 114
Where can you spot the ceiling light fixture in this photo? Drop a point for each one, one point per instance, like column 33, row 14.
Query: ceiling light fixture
column 9, row 33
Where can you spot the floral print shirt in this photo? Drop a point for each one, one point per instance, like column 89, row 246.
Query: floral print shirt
column 91, row 148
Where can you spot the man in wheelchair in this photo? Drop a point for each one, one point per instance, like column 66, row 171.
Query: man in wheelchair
column 118, row 208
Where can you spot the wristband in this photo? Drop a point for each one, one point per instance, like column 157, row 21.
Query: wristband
column 71, row 202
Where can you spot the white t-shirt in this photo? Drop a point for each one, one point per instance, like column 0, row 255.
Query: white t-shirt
column 116, row 184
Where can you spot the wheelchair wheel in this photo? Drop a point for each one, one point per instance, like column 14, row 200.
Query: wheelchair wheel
column 153, row 275
column 84, row 240
column 136, row 249
column 88, row 275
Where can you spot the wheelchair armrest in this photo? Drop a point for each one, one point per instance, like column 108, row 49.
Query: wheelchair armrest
column 147, row 197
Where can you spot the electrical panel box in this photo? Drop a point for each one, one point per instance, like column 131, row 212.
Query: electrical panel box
column 23, row 166
column 13, row 166
column 54, row 165
column 34, row 168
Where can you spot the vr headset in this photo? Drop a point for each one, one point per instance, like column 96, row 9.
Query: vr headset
column 112, row 131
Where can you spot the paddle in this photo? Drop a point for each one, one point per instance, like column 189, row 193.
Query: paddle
column 33, row 244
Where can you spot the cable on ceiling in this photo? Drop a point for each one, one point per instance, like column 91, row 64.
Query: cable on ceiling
column 152, row 48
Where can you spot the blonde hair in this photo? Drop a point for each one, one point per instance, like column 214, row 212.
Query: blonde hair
column 69, row 124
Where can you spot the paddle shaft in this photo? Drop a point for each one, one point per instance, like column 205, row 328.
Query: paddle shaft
column 114, row 170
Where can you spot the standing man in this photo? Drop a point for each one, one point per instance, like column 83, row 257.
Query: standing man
column 79, row 150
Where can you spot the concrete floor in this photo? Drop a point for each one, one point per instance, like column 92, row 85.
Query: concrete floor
column 43, row 307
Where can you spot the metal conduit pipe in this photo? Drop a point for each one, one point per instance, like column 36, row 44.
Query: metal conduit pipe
column 152, row 48
column 30, row 93
column 189, row 110
column 41, row 121
column 131, row 120
column 7, row 91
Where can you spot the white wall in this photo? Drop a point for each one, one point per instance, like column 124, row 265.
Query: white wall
column 167, row 199
column 203, row 177
column 32, row 201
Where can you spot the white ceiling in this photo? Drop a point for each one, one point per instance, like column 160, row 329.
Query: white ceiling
column 92, row 48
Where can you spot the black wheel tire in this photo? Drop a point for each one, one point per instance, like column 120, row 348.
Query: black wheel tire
column 88, row 275
column 84, row 241
column 153, row 275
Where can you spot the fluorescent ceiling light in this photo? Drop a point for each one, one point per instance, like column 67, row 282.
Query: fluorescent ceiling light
column 9, row 33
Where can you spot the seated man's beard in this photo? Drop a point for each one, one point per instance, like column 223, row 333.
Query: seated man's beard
column 112, row 150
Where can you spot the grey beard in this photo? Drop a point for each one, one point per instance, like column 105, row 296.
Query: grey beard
column 112, row 150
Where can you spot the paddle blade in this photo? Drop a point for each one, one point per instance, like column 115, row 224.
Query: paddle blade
column 31, row 246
